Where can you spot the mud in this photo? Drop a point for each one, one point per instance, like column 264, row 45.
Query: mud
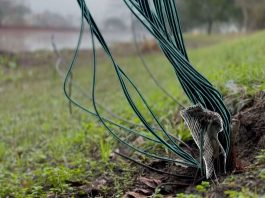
column 249, row 129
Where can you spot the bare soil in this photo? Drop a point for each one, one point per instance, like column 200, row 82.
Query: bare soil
column 249, row 134
column 249, row 138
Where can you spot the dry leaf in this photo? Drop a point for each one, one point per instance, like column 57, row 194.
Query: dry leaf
column 152, row 183
column 139, row 141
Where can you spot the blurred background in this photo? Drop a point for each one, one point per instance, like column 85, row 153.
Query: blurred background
column 27, row 25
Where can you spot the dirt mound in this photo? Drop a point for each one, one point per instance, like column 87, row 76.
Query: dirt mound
column 249, row 129
column 169, row 179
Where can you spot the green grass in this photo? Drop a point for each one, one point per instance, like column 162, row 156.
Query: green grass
column 193, row 40
column 239, row 60
column 43, row 149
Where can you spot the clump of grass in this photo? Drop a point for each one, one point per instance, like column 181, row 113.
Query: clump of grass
column 261, row 157
column 182, row 195
column 203, row 187
column 262, row 174
column 2, row 152
column 9, row 62
column 105, row 150
column 245, row 193
column 57, row 178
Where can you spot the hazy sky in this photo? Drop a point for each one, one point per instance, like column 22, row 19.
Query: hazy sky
column 66, row 7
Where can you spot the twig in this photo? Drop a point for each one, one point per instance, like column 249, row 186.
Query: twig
column 57, row 67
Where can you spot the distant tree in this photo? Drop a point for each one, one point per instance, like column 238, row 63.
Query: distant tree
column 207, row 12
column 4, row 7
column 114, row 24
column 50, row 19
column 12, row 12
column 117, row 16
column 253, row 13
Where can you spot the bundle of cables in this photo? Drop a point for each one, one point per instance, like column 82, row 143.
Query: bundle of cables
column 208, row 119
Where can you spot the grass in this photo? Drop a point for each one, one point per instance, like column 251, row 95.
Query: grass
column 44, row 150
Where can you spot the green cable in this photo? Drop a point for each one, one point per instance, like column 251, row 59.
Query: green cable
column 120, row 73
column 148, row 69
column 162, row 21
column 73, row 62
column 192, row 84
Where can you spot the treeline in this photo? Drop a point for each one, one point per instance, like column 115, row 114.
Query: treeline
column 14, row 13
column 247, row 15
